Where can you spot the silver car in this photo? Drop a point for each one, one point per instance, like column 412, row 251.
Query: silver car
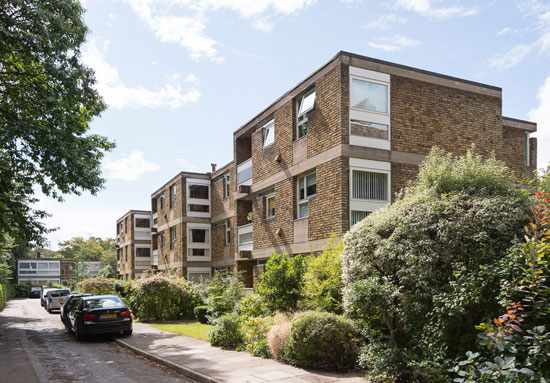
column 55, row 299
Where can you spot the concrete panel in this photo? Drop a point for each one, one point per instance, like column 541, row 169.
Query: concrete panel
column 301, row 230
column 299, row 150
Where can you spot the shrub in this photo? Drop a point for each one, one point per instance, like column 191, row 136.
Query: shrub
column 22, row 290
column 162, row 297
column 97, row 285
column 255, row 332
column 278, row 336
column 123, row 288
column 323, row 340
column 281, row 283
column 425, row 264
column 226, row 333
column 5, row 294
column 223, row 293
column 253, row 306
column 200, row 313
column 322, row 289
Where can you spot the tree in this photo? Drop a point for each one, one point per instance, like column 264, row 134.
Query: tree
column 90, row 249
column 47, row 102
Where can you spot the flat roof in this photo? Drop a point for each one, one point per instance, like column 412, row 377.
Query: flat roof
column 180, row 174
column 133, row 211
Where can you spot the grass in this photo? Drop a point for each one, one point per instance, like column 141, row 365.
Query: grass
column 192, row 329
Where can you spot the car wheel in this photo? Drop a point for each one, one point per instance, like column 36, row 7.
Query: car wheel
column 49, row 310
column 127, row 332
column 77, row 332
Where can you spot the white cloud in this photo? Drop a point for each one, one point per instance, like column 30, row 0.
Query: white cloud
column 541, row 115
column 186, row 165
column 385, row 21
column 185, row 21
column 129, row 167
column 118, row 95
column 425, row 8
column 510, row 58
column 392, row 44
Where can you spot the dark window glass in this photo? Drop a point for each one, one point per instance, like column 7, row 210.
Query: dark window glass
column 104, row 303
column 198, row 235
column 199, row 208
column 143, row 252
column 198, row 191
column 143, row 222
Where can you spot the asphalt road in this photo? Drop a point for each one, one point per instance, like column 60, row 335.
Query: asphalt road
column 35, row 347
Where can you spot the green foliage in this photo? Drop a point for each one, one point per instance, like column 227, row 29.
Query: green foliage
column 255, row 332
column 162, row 297
column 201, row 314
column 419, row 273
column 540, row 180
column 48, row 103
column 226, row 333
column 97, row 286
column 22, row 289
column 322, row 279
column 281, row 283
column 223, row 293
column 253, row 306
column 123, row 289
column 323, row 340
column 5, row 294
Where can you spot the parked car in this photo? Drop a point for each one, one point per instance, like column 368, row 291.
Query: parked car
column 43, row 297
column 35, row 292
column 55, row 299
column 70, row 300
column 99, row 314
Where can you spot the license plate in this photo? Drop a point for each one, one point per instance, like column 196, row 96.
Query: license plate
column 108, row 316
column 60, row 300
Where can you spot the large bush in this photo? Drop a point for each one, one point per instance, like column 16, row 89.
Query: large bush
column 417, row 273
column 5, row 294
column 322, row 279
column 162, row 297
column 226, row 333
column 255, row 332
column 281, row 283
column 97, row 285
column 223, row 293
column 323, row 340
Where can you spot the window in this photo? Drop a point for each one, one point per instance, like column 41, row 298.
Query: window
column 305, row 105
column 269, row 133
column 369, row 96
column 198, row 191
column 369, row 185
column 227, row 233
column 307, row 188
column 172, row 237
column 199, row 208
column 199, row 235
column 161, row 201
column 198, row 277
column 143, row 252
column 126, row 223
column 357, row 216
column 527, row 153
column 143, row 222
column 246, row 238
column 199, row 252
column 126, row 253
column 162, row 240
column 270, row 205
column 226, row 183
column 369, row 129
column 172, row 195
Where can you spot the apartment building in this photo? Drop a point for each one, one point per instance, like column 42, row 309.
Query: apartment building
column 331, row 150
column 133, row 244
column 43, row 270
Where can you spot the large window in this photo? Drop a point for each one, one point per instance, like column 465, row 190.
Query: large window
column 304, row 105
column 369, row 129
column 198, row 198
column 227, row 233
column 39, row 268
column 172, row 195
column 307, row 188
column 172, row 238
column 198, row 242
column 369, row 96
column 268, row 133
column 143, row 222
column 269, row 205
column 226, row 183
column 199, row 235
column 143, row 252
column 198, row 191
column 199, row 208
column 369, row 185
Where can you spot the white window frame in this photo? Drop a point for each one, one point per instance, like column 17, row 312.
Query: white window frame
column 268, row 134
column 370, row 116
column 142, row 259
column 198, row 270
column 300, row 202
column 266, row 205
column 373, row 167
column 227, row 233
column 241, row 168
column 226, row 184
column 198, row 201
column 302, row 118
column 199, row 245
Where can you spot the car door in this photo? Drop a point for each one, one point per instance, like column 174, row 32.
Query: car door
column 75, row 310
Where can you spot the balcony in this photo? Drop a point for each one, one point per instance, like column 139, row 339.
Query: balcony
column 245, row 238
column 155, row 221
column 244, row 173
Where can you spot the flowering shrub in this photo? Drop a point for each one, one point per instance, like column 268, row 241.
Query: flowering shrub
column 162, row 297
column 255, row 332
column 97, row 285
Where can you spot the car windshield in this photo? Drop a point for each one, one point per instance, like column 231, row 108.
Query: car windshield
column 33, row 289
column 104, row 303
column 59, row 293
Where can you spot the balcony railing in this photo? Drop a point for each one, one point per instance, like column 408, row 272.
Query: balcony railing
column 244, row 173
column 245, row 237
column 155, row 220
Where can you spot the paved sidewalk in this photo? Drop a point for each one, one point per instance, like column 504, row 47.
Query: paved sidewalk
column 207, row 364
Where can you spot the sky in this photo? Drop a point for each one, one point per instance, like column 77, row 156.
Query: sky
column 180, row 76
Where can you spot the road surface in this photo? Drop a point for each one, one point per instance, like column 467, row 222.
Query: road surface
column 35, row 347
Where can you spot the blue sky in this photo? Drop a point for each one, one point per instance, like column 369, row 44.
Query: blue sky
column 180, row 76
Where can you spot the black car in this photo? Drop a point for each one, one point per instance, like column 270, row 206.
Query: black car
column 35, row 292
column 99, row 314
column 67, row 306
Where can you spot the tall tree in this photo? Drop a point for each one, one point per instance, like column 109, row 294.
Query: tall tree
column 47, row 102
